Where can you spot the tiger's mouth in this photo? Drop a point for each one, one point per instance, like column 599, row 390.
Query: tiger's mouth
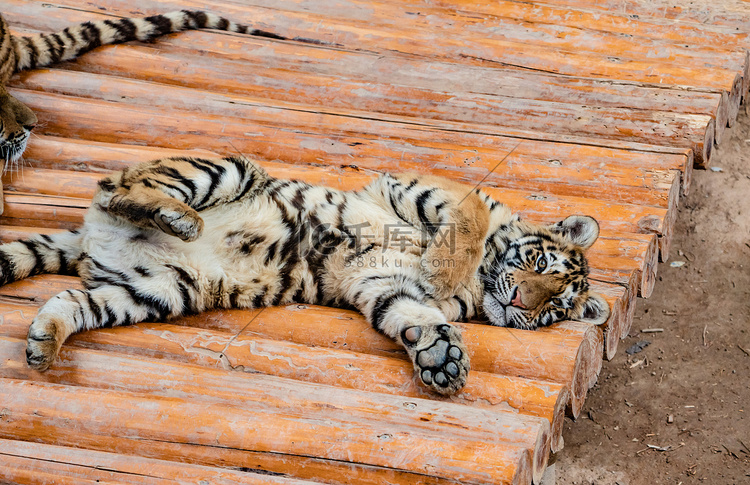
column 503, row 314
column 11, row 151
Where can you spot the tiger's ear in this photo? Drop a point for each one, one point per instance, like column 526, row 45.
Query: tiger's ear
column 580, row 230
column 595, row 310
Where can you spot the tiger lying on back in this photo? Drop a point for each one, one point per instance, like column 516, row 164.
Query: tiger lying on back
column 178, row 236
column 31, row 52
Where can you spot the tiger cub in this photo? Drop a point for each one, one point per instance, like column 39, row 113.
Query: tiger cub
column 30, row 52
column 179, row 236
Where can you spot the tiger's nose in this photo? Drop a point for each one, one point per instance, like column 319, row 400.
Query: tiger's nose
column 516, row 299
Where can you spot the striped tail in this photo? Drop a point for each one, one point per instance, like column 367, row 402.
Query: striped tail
column 57, row 253
column 44, row 49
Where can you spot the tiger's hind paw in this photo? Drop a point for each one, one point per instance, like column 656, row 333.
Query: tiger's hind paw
column 42, row 343
column 439, row 356
column 187, row 225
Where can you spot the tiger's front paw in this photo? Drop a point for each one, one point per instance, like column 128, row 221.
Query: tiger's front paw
column 439, row 356
column 184, row 224
column 42, row 343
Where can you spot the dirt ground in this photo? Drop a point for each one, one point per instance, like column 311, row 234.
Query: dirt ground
column 679, row 410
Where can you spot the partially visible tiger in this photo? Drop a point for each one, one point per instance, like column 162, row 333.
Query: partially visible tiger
column 30, row 52
column 178, row 236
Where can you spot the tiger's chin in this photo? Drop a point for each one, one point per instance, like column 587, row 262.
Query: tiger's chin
column 494, row 311
column 501, row 315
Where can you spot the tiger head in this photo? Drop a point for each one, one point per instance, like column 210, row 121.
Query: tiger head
column 16, row 123
column 537, row 275
column 16, row 119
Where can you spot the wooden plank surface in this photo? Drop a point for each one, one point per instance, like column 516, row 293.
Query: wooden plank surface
column 554, row 108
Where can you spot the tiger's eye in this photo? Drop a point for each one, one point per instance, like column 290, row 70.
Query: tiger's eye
column 557, row 302
column 541, row 263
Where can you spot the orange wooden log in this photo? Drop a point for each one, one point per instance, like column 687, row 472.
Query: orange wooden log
column 610, row 16
column 359, row 139
column 620, row 311
column 724, row 17
column 391, row 437
column 308, row 467
column 14, row 233
column 29, row 463
column 566, row 176
column 315, row 67
column 645, row 126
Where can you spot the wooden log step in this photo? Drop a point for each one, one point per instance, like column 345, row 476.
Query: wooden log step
column 563, row 28
column 325, row 73
column 539, row 28
column 445, row 110
column 645, row 126
column 712, row 23
column 30, row 463
column 373, row 34
column 602, row 16
column 105, row 369
column 494, row 350
column 400, row 136
column 378, row 431
column 559, row 169
column 727, row 16
column 622, row 308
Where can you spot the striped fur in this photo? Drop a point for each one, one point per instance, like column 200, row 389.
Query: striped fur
column 40, row 50
column 179, row 236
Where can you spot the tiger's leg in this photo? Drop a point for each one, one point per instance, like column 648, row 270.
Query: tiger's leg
column 167, row 194
column 453, row 217
column 55, row 253
column 121, row 300
column 390, row 296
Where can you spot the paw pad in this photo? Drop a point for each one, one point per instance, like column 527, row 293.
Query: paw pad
column 438, row 355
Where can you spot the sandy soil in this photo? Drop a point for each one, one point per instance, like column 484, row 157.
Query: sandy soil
column 688, row 392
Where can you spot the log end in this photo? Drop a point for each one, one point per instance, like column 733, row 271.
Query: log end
column 523, row 474
column 703, row 154
column 613, row 330
column 665, row 239
column 650, row 265
column 558, row 421
column 588, row 361
column 735, row 99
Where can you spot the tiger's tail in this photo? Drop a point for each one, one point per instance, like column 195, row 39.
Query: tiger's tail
column 55, row 253
column 42, row 50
